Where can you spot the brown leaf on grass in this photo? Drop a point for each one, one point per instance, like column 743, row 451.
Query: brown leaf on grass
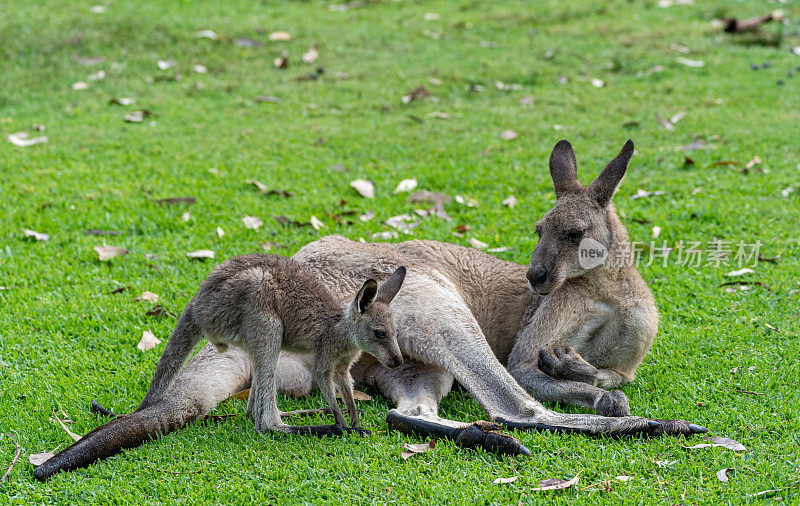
column 723, row 442
column 258, row 184
column 556, row 484
column 106, row 253
column 147, row 342
column 74, row 436
column 23, row 140
column 80, row 85
column 119, row 290
column 504, row 481
column 252, row 222
column 438, row 211
column 247, row 42
column 315, row 222
column 280, row 36
column 468, row 201
column 744, row 285
column 460, row 230
column 311, row 55
column 283, row 220
column 429, row 197
column 411, row 449
column 510, row 201
column 772, row 260
column 418, row 93
column 282, row 61
column 39, row 236
column 734, row 25
column 753, row 162
column 207, row 34
column 508, row 135
column 690, row 63
column 740, row 272
column 724, row 162
column 37, row 459
column 158, row 311
column 722, row 475
column 98, row 232
column 186, row 216
column 405, row 186
column 365, row 188
column 664, row 122
column 267, row 98
column 137, row 116
column 172, row 201
column 147, row 297
column 200, row 253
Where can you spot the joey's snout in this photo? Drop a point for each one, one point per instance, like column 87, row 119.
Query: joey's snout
column 395, row 361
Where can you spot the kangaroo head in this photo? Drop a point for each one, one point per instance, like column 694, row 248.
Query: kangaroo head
column 582, row 225
column 370, row 322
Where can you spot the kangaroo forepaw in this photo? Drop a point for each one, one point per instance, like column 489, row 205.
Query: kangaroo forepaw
column 564, row 363
column 487, row 435
column 613, row 404
column 358, row 430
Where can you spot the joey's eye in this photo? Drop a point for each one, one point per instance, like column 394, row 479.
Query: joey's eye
column 576, row 235
column 380, row 334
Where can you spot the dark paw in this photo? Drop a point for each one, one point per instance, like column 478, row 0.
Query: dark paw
column 564, row 363
column 358, row 430
column 613, row 404
column 488, row 436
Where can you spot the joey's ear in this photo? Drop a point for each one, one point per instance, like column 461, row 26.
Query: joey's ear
column 603, row 188
column 366, row 296
column 391, row 286
column 564, row 169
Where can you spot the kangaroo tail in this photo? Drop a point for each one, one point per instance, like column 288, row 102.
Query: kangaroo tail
column 181, row 343
column 209, row 378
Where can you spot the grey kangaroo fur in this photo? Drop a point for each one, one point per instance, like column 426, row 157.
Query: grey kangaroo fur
column 265, row 303
column 500, row 329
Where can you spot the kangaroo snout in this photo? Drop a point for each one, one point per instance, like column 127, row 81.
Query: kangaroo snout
column 394, row 362
column 536, row 276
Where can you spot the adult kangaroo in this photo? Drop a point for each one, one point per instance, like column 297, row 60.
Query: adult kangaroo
column 554, row 328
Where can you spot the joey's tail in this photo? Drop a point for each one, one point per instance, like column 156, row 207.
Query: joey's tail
column 181, row 343
column 207, row 380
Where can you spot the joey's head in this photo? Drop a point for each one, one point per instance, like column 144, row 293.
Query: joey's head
column 578, row 233
column 370, row 322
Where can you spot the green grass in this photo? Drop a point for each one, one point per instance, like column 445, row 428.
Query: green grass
column 65, row 339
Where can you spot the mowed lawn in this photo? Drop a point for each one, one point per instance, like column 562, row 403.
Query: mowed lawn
column 594, row 72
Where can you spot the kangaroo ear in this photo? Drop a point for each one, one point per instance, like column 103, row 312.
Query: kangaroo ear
column 603, row 188
column 366, row 296
column 391, row 286
column 564, row 169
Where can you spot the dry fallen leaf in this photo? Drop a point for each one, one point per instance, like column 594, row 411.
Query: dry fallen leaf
column 361, row 396
column 510, row 201
column 508, row 135
column 105, row 253
column 148, row 341
column 656, row 232
column 247, row 42
column 386, row 235
column 147, row 297
column 723, row 442
column 201, row 253
column 411, row 449
column 282, row 61
column 208, row 34
column 722, row 475
column 365, row 188
column 624, row 478
column 316, row 223
column 252, row 222
column 503, row 481
column 37, row 459
column 597, row 83
column 80, row 85
column 477, row 244
column 690, row 63
column 753, row 162
column 220, row 232
column 200, row 69
column 186, row 216
column 406, row 185
column 39, row 236
column 165, row 64
column 136, row 116
column 280, row 36
column 556, row 484
column 22, row 140
column 311, row 55
column 741, row 272
column 416, row 94
column 644, row 193
column 402, row 222
column 367, row 216
column 664, row 122
column 469, row 202
column 428, row 197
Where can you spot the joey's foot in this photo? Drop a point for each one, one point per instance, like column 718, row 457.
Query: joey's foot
column 613, row 404
column 564, row 363
column 358, row 430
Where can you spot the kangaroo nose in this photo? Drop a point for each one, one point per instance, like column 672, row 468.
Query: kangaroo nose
column 396, row 362
column 537, row 276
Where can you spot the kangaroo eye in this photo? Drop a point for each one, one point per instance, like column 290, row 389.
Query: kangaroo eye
column 381, row 334
column 576, row 235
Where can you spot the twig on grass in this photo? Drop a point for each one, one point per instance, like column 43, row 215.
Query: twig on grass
column 14, row 460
